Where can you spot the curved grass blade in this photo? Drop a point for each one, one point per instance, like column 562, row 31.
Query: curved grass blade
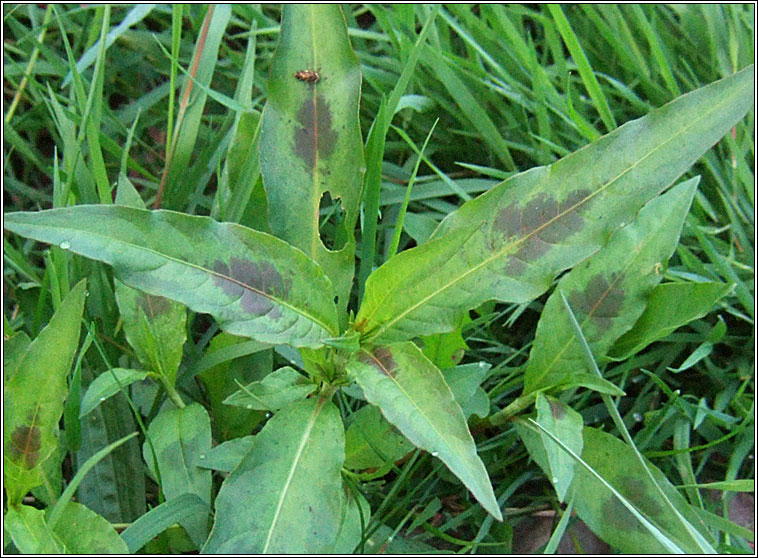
column 545, row 220
column 160, row 518
column 286, row 495
column 57, row 511
column 413, row 395
column 254, row 284
column 310, row 141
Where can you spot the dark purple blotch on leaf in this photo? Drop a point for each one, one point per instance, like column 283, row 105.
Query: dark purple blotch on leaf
column 600, row 301
column 315, row 137
column 557, row 410
column 25, row 445
column 254, row 283
column 618, row 518
column 381, row 359
column 153, row 305
column 542, row 222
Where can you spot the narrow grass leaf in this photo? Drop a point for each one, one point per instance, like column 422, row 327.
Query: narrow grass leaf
column 56, row 512
column 585, row 70
column 160, row 518
column 135, row 15
column 178, row 181
column 252, row 283
column 413, row 395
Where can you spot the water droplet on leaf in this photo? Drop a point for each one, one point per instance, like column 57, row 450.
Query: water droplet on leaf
column 65, row 245
column 435, row 453
column 637, row 417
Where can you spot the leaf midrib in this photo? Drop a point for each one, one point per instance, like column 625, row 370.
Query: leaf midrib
column 431, row 423
column 508, row 247
column 291, row 474
column 186, row 263
column 647, row 240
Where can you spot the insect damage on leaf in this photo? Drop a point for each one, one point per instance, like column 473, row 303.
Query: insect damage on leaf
column 541, row 222
column 600, row 301
column 315, row 138
column 381, row 359
column 253, row 283
column 153, row 305
column 25, row 445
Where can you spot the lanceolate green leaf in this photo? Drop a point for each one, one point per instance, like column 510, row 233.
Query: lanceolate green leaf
column 107, row 384
column 180, row 437
column 29, row 531
column 671, row 306
column 286, row 495
column 310, row 138
column 565, row 423
column 509, row 243
column 254, row 284
column 278, row 389
column 605, row 514
column 83, row 531
column 154, row 326
column 34, row 396
column 413, row 395
column 608, row 292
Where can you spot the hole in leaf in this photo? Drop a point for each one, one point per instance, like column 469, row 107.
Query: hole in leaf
column 331, row 227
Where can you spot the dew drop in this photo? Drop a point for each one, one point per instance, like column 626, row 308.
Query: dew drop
column 555, row 480
column 202, row 456
column 268, row 415
column 102, row 399
column 65, row 245
column 435, row 453
column 248, row 406
column 637, row 417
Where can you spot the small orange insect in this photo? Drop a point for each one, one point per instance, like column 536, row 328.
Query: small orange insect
column 308, row 76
